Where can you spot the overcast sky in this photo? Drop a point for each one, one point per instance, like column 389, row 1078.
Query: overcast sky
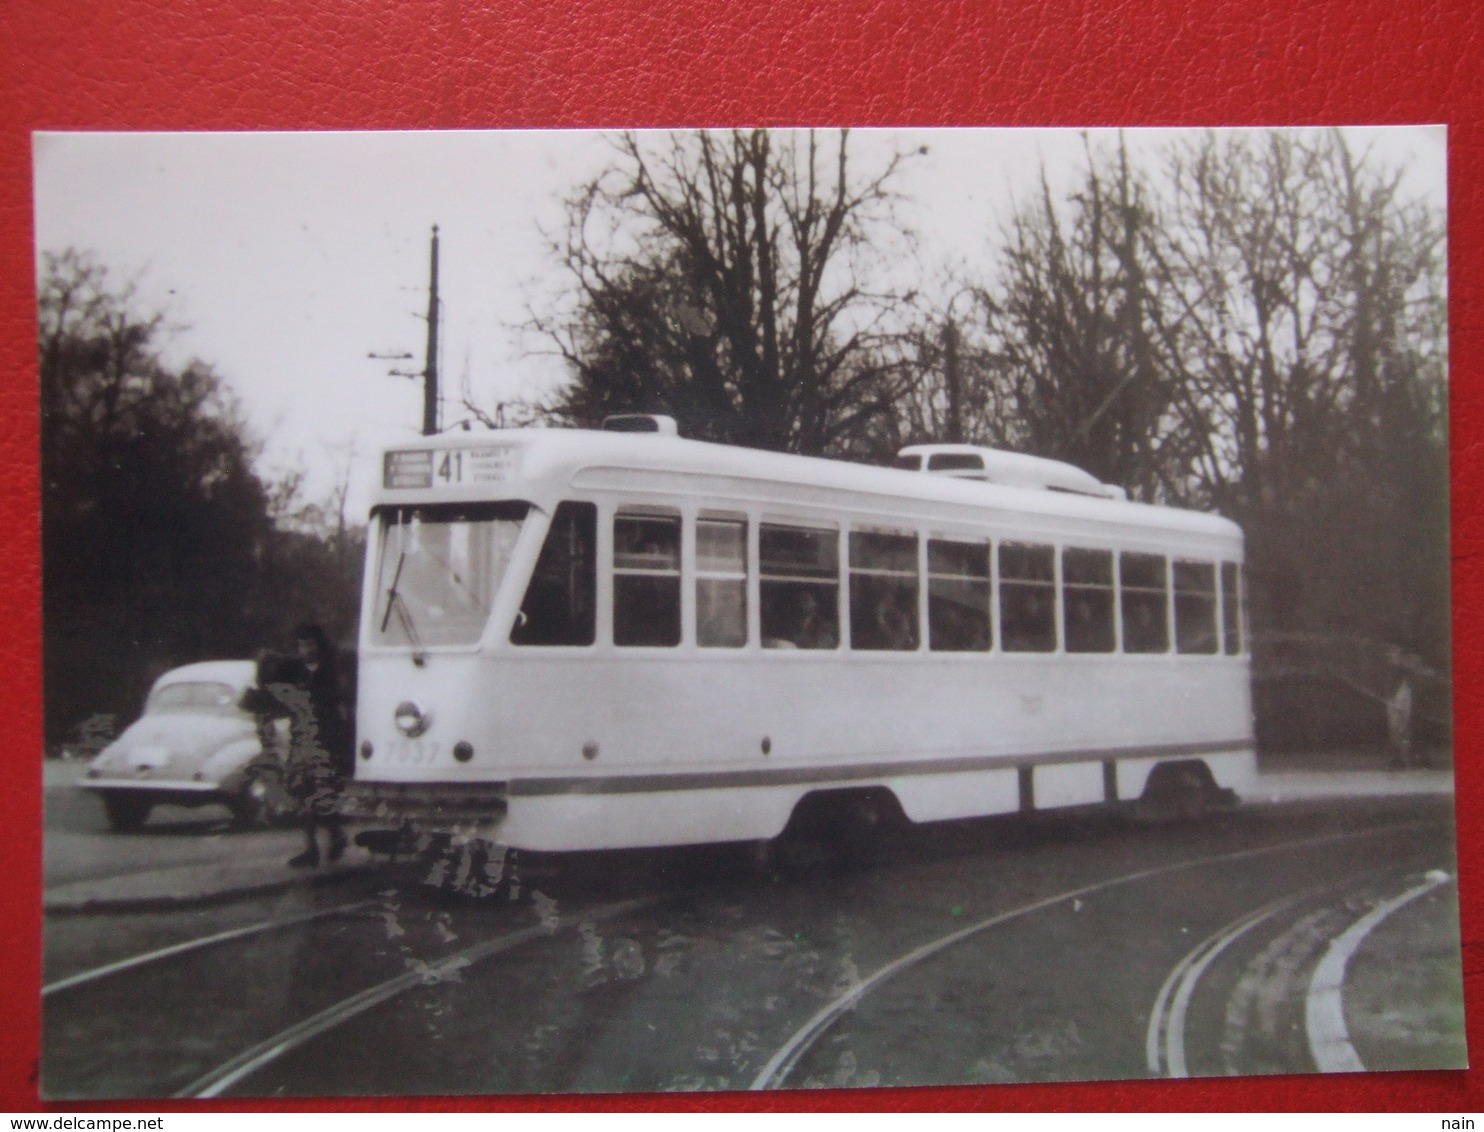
column 287, row 258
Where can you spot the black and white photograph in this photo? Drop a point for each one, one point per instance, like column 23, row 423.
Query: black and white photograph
column 550, row 612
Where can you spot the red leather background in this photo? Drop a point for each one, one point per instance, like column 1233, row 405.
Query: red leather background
column 362, row 64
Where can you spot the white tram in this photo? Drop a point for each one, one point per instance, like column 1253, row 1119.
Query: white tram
column 577, row 640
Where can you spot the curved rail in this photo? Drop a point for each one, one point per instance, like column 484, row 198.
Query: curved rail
column 782, row 1063
column 1164, row 1043
column 249, row 1061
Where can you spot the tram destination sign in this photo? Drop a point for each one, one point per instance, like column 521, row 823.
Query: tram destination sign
column 412, row 468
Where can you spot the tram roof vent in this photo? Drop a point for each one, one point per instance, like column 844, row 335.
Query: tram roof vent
column 641, row 422
column 1011, row 469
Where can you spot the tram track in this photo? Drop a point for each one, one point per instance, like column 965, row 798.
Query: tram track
column 782, row 1064
column 1164, row 1043
column 1325, row 1033
column 249, row 1061
column 417, row 972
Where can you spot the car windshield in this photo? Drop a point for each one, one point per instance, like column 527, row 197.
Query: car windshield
column 199, row 697
column 439, row 569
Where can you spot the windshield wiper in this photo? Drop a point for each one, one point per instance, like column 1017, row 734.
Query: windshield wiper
column 395, row 600
column 391, row 593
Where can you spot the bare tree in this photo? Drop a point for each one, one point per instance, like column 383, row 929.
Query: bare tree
column 1303, row 300
column 1301, row 296
column 160, row 542
column 735, row 280
column 1064, row 349
column 1258, row 328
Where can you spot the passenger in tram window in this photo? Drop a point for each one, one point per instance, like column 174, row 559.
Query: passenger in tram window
column 815, row 630
column 1028, row 621
column 647, row 543
column 956, row 621
column 896, row 630
column 970, row 631
column 1143, row 629
column 1078, row 612
column 1089, row 626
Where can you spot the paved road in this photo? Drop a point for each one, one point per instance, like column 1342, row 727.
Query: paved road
column 79, row 845
column 182, row 852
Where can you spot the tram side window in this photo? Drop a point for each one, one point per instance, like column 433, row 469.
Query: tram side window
column 1231, row 609
column 1087, row 600
column 1145, row 603
column 560, row 601
column 721, row 583
column 1195, row 607
column 799, row 587
column 883, row 591
column 646, row 580
column 958, row 596
column 1027, row 597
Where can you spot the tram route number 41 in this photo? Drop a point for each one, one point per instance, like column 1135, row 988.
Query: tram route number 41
column 473, row 465
column 448, row 467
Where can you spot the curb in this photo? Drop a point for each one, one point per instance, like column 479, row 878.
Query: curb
column 1310, row 786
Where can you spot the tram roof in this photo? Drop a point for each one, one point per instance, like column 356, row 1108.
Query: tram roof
column 558, row 456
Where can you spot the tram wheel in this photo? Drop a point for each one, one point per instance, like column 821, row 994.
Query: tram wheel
column 1179, row 792
column 846, row 826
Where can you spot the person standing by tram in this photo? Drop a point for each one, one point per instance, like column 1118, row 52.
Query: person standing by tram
column 306, row 690
column 1399, row 723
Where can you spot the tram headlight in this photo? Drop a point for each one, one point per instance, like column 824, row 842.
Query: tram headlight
column 410, row 719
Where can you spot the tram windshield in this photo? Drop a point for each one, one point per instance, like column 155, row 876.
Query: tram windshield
column 439, row 569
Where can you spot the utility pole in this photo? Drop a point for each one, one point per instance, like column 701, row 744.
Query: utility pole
column 429, row 374
column 430, row 370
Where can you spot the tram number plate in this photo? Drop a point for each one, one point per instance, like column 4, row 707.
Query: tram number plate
column 413, row 752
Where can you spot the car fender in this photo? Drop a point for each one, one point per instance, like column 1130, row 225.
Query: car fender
column 228, row 766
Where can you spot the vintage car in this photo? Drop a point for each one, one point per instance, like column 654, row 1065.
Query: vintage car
column 194, row 745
